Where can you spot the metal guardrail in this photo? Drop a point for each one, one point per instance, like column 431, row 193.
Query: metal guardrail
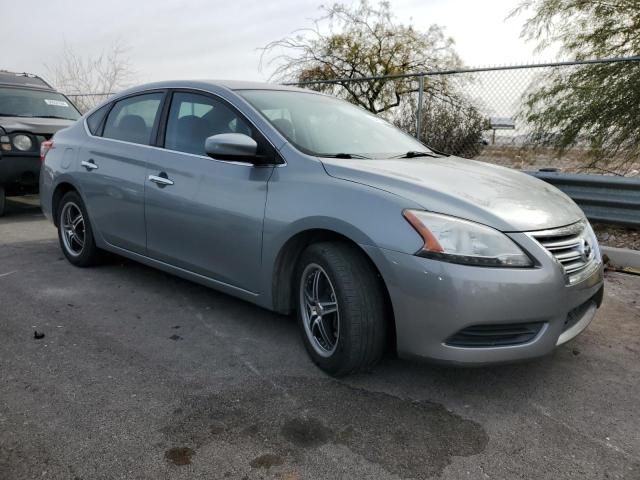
column 605, row 199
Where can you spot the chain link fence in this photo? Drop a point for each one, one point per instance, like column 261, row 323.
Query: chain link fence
column 492, row 114
column 489, row 113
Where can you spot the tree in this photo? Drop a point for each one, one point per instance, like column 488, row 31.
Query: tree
column 452, row 126
column 597, row 105
column 363, row 41
column 88, row 80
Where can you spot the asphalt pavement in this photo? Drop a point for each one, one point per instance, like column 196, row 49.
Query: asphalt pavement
column 141, row 375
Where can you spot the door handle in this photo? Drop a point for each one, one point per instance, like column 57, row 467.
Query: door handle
column 89, row 165
column 162, row 180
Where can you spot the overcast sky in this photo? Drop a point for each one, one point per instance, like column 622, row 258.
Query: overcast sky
column 220, row 39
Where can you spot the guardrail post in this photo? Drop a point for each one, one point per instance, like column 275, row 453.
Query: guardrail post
column 419, row 112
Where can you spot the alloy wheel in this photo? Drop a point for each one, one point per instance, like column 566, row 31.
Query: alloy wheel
column 73, row 229
column 319, row 307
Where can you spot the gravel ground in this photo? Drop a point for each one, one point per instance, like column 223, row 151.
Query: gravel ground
column 143, row 375
column 620, row 237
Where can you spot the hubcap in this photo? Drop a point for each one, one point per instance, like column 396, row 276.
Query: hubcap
column 73, row 229
column 319, row 308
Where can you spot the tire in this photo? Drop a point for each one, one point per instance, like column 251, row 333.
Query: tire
column 353, row 338
column 80, row 255
column 3, row 201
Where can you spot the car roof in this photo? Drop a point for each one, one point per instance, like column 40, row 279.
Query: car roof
column 242, row 85
column 207, row 83
column 16, row 79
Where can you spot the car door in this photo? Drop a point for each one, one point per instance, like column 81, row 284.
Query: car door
column 202, row 214
column 113, row 168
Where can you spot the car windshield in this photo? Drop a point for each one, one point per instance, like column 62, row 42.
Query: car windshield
column 24, row 102
column 326, row 126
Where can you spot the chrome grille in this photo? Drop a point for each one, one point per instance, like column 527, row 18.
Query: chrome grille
column 573, row 247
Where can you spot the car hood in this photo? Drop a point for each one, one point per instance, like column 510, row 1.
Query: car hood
column 502, row 198
column 35, row 125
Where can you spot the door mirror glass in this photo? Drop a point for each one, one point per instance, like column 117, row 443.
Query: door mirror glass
column 232, row 146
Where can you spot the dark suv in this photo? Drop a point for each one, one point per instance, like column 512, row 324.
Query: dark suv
column 31, row 111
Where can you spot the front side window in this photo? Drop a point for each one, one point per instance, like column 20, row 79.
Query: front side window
column 325, row 126
column 193, row 118
column 132, row 119
column 24, row 102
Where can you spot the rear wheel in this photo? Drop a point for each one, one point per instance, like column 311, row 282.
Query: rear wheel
column 75, row 233
column 340, row 308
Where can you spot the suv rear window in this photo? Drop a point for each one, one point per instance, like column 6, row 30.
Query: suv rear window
column 23, row 102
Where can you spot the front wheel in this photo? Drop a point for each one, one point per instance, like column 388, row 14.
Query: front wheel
column 75, row 233
column 340, row 308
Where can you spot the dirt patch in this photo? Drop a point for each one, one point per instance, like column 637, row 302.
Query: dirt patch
column 179, row 455
column 267, row 460
column 305, row 432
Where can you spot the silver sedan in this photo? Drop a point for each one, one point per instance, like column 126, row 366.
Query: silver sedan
column 300, row 202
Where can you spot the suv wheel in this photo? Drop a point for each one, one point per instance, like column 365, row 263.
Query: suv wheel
column 340, row 308
column 74, row 232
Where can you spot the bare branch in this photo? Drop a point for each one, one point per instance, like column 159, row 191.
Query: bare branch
column 84, row 77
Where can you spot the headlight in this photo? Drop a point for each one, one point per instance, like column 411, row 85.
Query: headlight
column 593, row 240
column 22, row 143
column 454, row 240
column 5, row 142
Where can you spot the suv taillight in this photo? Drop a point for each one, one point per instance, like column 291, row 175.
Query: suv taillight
column 44, row 148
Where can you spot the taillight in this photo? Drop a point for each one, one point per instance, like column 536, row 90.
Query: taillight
column 44, row 149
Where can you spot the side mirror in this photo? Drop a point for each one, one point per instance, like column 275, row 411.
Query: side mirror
column 232, row 146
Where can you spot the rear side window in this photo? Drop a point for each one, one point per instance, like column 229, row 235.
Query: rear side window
column 194, row 117
column 132, row 119
column 95, row 119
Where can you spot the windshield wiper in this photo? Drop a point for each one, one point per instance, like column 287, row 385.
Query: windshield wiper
column 341, row 155
column 413, row 154
column 54, row 116
column 33, row 116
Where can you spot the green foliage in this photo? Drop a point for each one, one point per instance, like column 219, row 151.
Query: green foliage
column 594, row 106
column 362, row 41
column 584, row 28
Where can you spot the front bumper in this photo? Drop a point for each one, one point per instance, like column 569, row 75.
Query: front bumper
column 20, row 173
column 434, row 300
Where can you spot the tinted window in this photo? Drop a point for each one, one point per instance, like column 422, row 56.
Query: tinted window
column 22, row 102
column 193, row 118
column 95, row 119
column 132, row 119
